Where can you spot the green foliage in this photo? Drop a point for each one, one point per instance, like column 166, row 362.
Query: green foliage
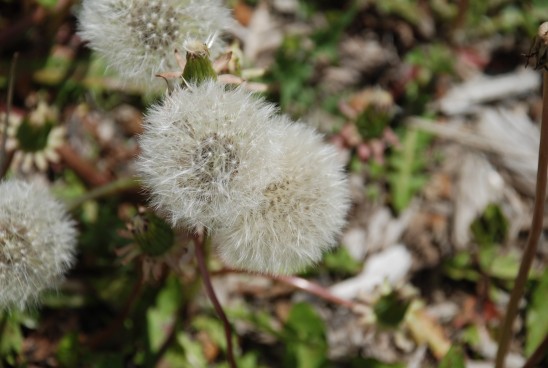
column 537, row 316
column 305, row 338
column 390, row 309
column 406, row 168
column 11, row 337
column 453, row 359
column 491, row 227
column 162, row 315
column 373, row 363
column 341, row 262
column 489, row 231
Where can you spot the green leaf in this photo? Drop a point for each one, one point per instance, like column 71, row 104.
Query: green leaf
column 340, row 261
column 390, row 309
column 68, row 350
column 406, row 174
column 453, row 359
column 491, row 227
column 305, row 338
column 537, row 315
column 192, row 350
column 162, row 316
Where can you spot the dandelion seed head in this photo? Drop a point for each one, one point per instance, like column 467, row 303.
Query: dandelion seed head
column 207, row 153
column 37, row 241
column 138, row 37
column 300, row 214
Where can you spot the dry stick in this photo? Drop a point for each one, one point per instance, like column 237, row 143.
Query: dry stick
column 534, row 235
column 538, row 354
column 199, row 242
column 3, row 155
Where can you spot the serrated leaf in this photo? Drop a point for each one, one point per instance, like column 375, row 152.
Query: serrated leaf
column 406, row 176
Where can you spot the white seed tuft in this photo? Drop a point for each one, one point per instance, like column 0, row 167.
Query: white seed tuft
column 208, row 153
column 138, row 38
column 37, row 241
column 300, row 213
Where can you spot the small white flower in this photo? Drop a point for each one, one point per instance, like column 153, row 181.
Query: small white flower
column 37, row 241
column 300, row 214
column 138, row 37
column 207, row 154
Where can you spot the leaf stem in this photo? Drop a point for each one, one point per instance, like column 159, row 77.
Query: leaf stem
column 200, row 244
column 534, row 235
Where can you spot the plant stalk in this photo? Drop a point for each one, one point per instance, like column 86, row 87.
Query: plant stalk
column 534, row 235
column 3, row 154
column 200, row 243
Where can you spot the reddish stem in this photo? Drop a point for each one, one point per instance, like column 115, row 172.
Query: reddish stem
column 534, row 235
column 199, row 242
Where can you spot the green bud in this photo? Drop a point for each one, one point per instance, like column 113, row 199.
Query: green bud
column 152, row 234
column 198, row 66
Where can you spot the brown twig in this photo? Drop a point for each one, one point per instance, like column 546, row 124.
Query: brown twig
column 539, row 353
column 534, row 235
column 4, row 157
column 85, row 170
column 199, row 242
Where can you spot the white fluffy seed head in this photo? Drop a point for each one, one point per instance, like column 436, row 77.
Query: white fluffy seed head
column 207, row 153
column 37, row 242
column 300, row 214
column 138, row 38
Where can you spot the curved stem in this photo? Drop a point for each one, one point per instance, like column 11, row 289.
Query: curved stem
column 199, row 241
column 301, row 284
column 534, row 235
column 111, row 188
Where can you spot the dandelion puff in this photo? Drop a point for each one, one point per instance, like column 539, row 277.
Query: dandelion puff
column 138, row 38
column 300, row 213
column 207, row 153
column 37, row 241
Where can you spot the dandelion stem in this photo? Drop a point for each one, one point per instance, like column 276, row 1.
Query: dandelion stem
column 200, row 243
column 111, row 188
column 301, row 284
column 3, row 155
column 534, row 235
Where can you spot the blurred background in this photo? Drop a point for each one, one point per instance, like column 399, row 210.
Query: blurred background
column 433, row 112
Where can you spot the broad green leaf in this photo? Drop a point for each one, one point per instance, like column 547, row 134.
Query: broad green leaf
column 162, row 315
column 453, row 359
column 537, row 315
column 192, row 350
column 305, row 338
